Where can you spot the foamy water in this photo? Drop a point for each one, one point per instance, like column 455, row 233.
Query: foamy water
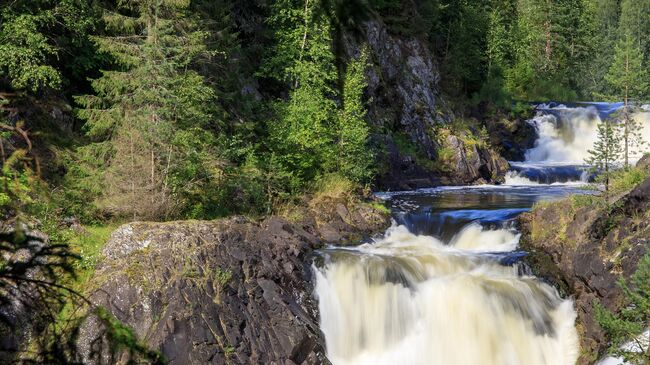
column 416, row 299
column 409, row 299
column 567, row 134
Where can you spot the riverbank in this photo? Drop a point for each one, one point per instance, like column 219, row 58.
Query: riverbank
column 584, row 246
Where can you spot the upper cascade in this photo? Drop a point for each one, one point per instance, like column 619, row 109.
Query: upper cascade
column 568, row 131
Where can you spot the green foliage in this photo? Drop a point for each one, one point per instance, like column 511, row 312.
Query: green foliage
column 318, row 130
column 634, row 23
column 222, row 277
column 333, row 186
column 123, row 338
column 623, row 180
column 301, row 137
column 355, row 158
column 606, row 151
column 88, row 244
column 406, row 147
column 633, row 319
column 36, row 35
column 151, row 111
column 627, row 76
column 24, row 52
column 463, row 52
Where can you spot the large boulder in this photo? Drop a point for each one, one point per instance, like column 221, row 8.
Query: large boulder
column 230, row 291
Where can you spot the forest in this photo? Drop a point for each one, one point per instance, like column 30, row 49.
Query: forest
column 207, row 108
column 114, row 111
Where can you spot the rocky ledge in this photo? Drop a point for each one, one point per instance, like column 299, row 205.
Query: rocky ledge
column 584, row 250
column 231, row 291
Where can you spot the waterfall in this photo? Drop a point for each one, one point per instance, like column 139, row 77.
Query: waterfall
column 566, row 134
column 409, row 299
column 445, row 286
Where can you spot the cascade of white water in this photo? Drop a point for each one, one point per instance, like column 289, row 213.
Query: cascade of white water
column 415, row 300
column 567, row 134
column 409, row 299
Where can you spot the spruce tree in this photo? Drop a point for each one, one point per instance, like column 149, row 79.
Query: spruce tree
column 40, row 40
column 606, row 152
column 635, row 22
column 628, row 80
column 151, row 110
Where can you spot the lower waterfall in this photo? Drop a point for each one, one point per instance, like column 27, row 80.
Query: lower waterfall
column 409, row 299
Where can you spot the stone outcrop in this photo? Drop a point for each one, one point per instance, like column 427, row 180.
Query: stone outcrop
column 584, row 251
column 230, row 291
column 406, row 108
column 511, row 136
column 475, row 164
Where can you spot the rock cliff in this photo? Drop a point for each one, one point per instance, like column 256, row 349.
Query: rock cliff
column 408, row 116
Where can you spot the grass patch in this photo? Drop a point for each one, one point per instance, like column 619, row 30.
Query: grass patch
column 222, row 277
column 380, row 207
column 625, row 179
column 446, row 159
column 88, row 245
column 581, row 201
column 334, row 186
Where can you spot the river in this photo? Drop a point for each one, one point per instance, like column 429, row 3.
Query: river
column 445, row 284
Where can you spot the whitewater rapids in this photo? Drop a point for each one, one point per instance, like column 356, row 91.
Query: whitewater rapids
column 411, row 299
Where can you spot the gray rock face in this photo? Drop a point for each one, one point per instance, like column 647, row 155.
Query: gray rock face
column 403, row 86
column 644, row 162
column 220, row 292
column 587, row 260
column 403, row 89
column 476, row 165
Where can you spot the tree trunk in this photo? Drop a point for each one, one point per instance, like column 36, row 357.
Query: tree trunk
column 153, row 176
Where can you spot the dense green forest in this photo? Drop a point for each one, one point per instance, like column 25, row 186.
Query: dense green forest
column 204, row 108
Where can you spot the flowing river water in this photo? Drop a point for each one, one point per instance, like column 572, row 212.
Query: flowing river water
column 444, row 285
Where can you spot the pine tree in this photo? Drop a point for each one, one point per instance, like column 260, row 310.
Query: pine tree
column 606, row 152
column 628, row 80
column 635, row 22
column 599, row 29
column 629, row 324
column 144, row 109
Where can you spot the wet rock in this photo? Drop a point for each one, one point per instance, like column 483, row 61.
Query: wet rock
column 584, row 251
column 230, row 291
column 475, row 164
column 511, row 136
